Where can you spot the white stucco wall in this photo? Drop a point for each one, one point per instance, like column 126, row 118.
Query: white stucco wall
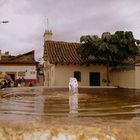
column 52, row 75
column 123, row 78
column 137, row 76
column 64, row 72
column 30, row 71
column 59, row 75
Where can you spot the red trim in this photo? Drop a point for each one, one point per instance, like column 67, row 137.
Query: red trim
column 28, row 81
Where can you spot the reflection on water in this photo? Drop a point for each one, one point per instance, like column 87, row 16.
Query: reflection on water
column 98, row 113
column 112, row 103
column 73, row 96
column 73, row 104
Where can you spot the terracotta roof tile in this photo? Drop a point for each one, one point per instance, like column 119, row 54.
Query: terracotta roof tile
column 27, row 58
column 59, row 52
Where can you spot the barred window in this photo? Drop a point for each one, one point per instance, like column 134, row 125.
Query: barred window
column 77, row 75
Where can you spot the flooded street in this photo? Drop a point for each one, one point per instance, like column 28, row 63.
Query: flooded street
column 37, row 113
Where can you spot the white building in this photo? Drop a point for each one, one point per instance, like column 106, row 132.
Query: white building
column 19, row 66
column 61, row 61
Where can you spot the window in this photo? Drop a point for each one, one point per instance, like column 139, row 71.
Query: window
column 77, row 75
column 22, row 74
column 32, row 72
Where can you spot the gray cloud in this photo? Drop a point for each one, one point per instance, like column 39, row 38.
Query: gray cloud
column 69, row 19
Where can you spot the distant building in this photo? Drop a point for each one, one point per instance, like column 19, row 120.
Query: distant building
column 23, row 65
column 61, row 62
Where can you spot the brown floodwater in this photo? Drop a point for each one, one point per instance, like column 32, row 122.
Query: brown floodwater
column 53, row 114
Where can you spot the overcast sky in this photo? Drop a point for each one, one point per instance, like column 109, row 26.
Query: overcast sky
column 68, row 19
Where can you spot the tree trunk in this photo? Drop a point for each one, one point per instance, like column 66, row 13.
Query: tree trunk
column 107, row 71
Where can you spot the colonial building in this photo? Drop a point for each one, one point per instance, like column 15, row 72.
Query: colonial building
column 61, row 62
column 23, row 65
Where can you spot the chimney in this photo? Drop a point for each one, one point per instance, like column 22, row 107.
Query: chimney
column 48, row 35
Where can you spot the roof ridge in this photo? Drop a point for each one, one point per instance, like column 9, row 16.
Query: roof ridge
column 20, row 55
column 59, row 41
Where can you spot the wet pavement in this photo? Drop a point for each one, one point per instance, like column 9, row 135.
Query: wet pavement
column 98, row 113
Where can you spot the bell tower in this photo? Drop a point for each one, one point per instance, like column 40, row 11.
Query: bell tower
column 48, row 35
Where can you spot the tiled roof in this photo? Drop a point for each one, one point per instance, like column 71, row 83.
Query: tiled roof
column 27, row 58
column 59, row 52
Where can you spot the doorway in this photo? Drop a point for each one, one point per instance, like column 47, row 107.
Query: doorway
column 12, row 76
column 94, row 78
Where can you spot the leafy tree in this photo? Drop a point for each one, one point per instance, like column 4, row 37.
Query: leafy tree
column 107, row 51
column 127, row 45
column 116, row 47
